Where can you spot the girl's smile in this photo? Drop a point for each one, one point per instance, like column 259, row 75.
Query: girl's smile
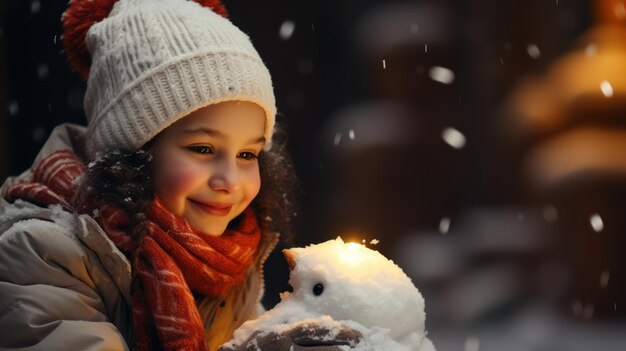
column 214, row 208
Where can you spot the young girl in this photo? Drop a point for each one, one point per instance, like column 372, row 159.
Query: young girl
column 149, row 228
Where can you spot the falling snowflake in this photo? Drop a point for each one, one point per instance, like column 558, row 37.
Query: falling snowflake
column 607, row 88
column 604, row 278
column 472, row 343
column 39, row 134
column 384, row 64
column 591, row 50
column 35, row 6
column 42, row 71
column 14, row 108
column 533, row 51
column 351, row 134
column 453, row 138
column 337, row 139
column 596, row 222
column 441, row 74
column 286, row 30
column 444, row 225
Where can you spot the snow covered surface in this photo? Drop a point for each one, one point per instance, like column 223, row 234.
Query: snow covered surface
column 336, row 283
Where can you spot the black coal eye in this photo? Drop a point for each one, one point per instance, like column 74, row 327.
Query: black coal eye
column 318, row 289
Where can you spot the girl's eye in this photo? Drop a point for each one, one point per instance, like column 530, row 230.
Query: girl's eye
column 248, row 156
column 201, row 149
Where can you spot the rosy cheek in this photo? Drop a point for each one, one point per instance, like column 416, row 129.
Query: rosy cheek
column 253, row 185
column 178, row 177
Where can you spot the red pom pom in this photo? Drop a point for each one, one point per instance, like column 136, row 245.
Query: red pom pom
column 215, row 5
column 82, row 14
column 77, row 19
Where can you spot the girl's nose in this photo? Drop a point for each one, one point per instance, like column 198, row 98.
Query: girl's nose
column 225, row 178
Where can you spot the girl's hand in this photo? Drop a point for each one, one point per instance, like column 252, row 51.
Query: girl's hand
column 303, row 337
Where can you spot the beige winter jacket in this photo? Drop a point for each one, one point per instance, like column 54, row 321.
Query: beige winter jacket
column 65, row 286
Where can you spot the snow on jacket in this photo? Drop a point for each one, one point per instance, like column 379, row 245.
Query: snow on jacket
column 65, row 286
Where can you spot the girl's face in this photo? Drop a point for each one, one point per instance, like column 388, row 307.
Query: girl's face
column 205, row 165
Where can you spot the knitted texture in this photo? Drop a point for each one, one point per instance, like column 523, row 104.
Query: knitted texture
column 155, row 61
column 170, row 260
column 61, row 171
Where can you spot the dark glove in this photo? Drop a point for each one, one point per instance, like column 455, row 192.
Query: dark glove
column 303, row 337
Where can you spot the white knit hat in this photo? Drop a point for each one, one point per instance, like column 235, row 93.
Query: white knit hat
column 155, row 61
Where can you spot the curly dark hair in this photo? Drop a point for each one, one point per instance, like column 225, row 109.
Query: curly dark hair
column 124, row 178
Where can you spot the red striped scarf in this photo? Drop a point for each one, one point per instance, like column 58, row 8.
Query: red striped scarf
column 169, row 263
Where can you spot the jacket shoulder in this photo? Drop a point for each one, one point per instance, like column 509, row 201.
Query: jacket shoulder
column 42, row 251
column 53, row 287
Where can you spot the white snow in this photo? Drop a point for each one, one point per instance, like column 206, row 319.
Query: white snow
column 39, row 134
column 286, row 30
column 453, row 138
column 607, row 88
column 361, row 289
column 596, row 222
column 444, row 225
column 533, row 51
column 62, row 217
column 591, row 50
column 337, row 139
column 42, row 70
column 604, row 278
column 35, row 7
column 14, row 108
column 441, row 74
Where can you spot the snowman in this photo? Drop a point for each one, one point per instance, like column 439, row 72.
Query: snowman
column 338, row 285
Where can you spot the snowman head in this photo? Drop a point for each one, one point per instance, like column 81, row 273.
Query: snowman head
column 349, row 281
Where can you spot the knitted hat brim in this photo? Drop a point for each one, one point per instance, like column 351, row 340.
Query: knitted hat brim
column 173, row 90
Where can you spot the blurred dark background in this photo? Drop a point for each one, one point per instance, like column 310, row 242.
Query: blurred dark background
column 482, row 143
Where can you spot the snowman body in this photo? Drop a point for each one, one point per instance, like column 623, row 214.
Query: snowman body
column 336, row 283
